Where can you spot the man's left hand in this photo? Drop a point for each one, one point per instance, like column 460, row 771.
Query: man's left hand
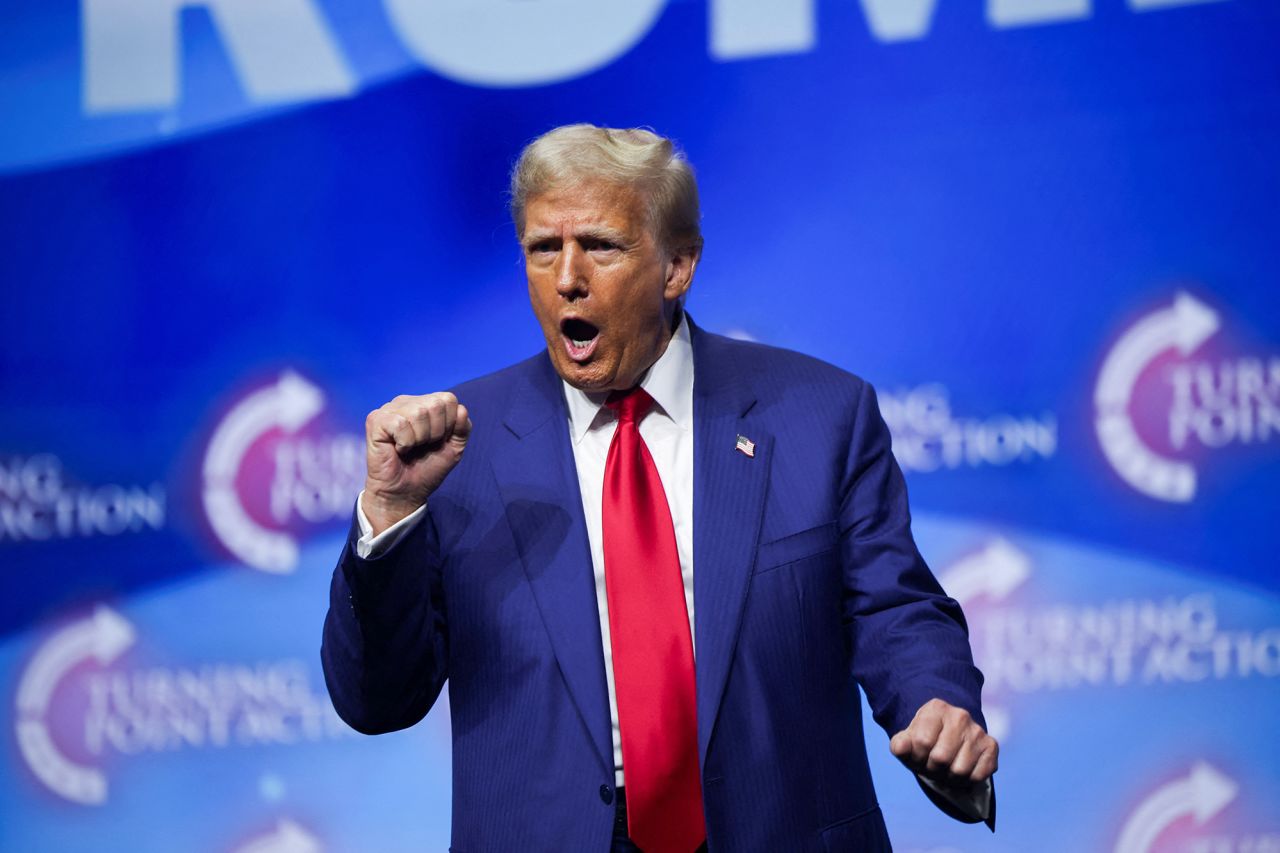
column 944, row 744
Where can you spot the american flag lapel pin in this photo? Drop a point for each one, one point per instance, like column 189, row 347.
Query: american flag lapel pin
column 747, row 446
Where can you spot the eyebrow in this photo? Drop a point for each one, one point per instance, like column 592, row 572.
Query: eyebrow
column 589, row 232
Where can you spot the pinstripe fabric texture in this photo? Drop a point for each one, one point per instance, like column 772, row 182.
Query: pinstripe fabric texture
column 807, row 584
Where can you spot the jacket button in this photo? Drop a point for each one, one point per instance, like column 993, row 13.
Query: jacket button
column 606, row 794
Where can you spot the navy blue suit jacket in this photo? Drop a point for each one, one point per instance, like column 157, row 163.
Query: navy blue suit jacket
column 806, row 580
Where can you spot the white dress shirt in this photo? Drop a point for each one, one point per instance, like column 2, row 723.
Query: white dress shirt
column 668, row 432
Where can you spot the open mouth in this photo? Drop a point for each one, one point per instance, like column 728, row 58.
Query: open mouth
column 580, row 338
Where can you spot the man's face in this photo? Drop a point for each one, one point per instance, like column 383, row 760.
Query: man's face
column 602, row 288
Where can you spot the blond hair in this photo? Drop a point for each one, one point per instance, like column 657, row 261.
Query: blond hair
column 636, row 157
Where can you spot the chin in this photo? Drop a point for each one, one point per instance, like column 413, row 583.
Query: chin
column 584, row 377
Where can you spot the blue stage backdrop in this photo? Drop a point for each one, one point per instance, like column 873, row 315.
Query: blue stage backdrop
column 228, row 230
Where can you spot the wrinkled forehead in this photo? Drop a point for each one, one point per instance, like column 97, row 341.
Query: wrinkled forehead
column 577, row 202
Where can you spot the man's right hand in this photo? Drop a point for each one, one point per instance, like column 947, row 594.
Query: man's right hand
column 411, row 445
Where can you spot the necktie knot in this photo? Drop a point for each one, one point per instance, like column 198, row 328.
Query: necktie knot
column 630, row 405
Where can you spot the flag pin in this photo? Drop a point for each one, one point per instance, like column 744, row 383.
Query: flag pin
column 747, row 446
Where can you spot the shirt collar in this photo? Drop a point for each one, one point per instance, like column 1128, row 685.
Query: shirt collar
column 669, row 382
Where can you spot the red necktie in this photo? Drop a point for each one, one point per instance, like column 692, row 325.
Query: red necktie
column 652, row 650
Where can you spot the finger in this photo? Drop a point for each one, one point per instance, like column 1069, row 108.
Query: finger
column 924, row 731
column 450, row 414
column 966, row 758
column 437, row 418
column 948, row 742
column 430, row 419
column 900, row 744
column 432, row 411
column 462, row 424
column 396, row 422
column 401, row 431
column 988, row 761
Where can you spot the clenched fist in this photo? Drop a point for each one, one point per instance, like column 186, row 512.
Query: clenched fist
column 944, row 744
column 411, row 445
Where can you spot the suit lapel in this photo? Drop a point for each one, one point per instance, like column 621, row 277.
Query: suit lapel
column 538, row 484
column 728, row 502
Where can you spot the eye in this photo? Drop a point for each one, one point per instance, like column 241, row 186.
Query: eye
column 599, row 244
column 541, row 247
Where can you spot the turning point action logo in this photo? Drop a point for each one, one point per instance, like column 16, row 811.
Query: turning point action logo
column 1201, row 809
column 1153, row 400
column 929, row 436
column 102, row 638
column 41, row 502
column 272, row 471
column 77, row 707
column 1200, row 795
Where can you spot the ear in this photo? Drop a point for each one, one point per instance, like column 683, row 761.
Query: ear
column 681, row 266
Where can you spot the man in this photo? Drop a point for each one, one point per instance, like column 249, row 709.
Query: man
column 642, row 493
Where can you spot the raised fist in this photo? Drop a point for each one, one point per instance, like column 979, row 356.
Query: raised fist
column 411, row 445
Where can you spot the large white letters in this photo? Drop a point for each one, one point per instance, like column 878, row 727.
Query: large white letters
column 1023, row 13
column 527, row 43
column 899, row 20
column 282, row 51
column 741, row 29
column 1147, row 5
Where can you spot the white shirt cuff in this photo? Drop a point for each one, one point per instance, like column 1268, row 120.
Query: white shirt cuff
column 370, row 547
column 972, row 801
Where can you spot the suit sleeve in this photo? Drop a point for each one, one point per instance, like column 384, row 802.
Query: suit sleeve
column 385, row 649
column 909, row 641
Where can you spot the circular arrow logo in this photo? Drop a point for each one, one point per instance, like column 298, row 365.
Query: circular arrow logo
column 1185, row 326
column 288, row 405
column 102, row 637
column 1200, row 795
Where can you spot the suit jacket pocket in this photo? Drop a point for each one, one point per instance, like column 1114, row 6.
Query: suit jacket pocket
column 796, row 546
column 863, row 833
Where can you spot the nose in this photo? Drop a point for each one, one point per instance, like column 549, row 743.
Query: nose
column 571, row 272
